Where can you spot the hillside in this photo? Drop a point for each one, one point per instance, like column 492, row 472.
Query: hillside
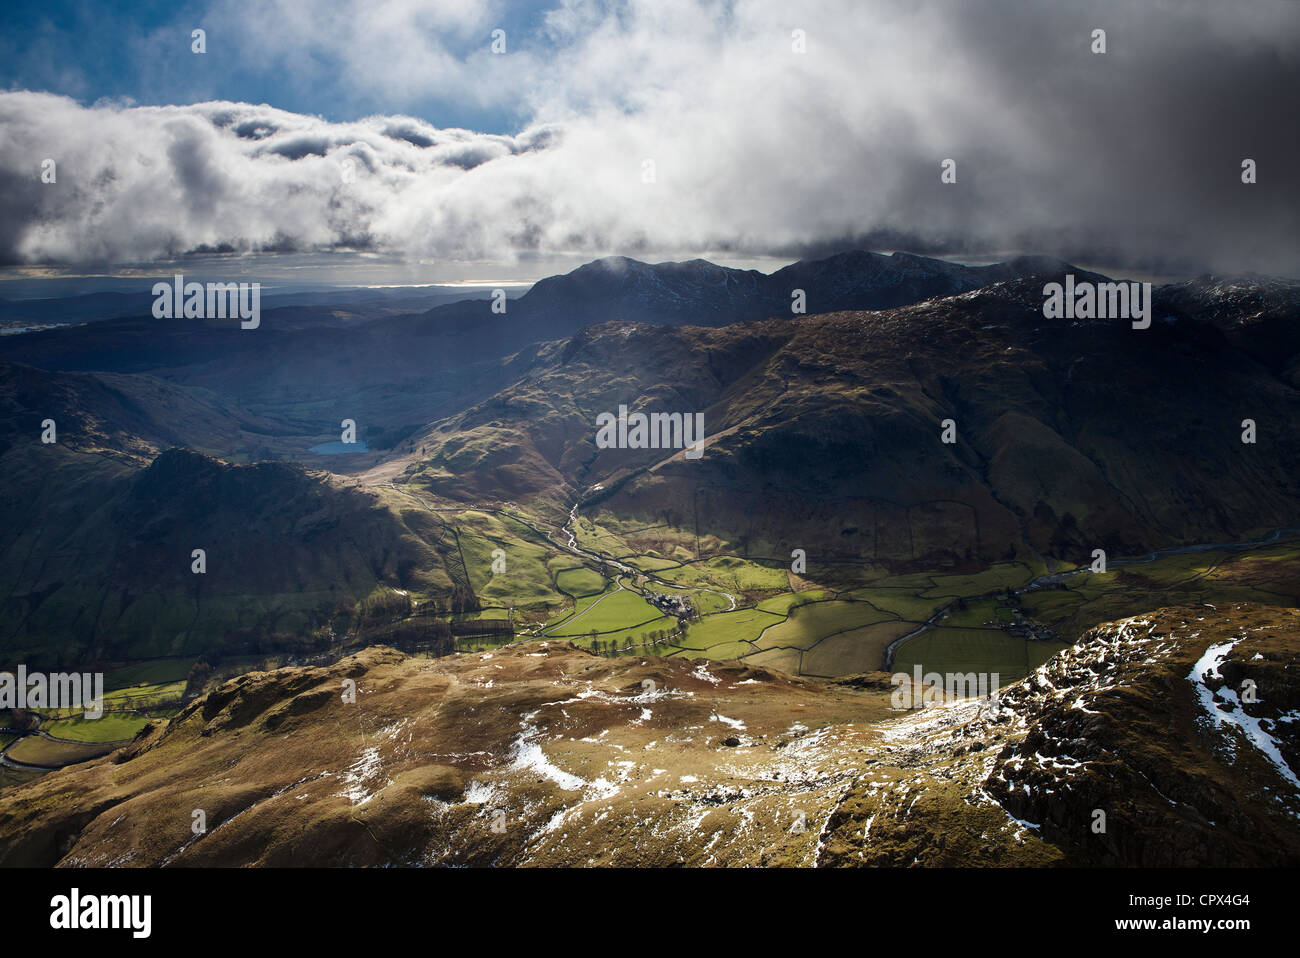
column 98, row 558
column 824, row 433
column 308, row 367
column 579, row 760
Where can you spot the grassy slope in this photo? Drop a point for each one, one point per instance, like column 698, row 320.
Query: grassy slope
column 712, row 768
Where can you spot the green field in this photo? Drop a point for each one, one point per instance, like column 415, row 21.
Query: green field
column 707, row 601
column 144, row 696
column 580, row 581
column 978, row 613
column 783, row 603
column 902, row 602
column 526, row 579
column 1004, row 575
column 831, row 628
column 155, row 672
column 727, row 630
column 854, row 651
column 620, row 609
column 974, row 650
column 652, row 563
column 632, row 638
column 111, row 727
column 812, row 622
column 34, row 750
column 136, row 697
column 490, row 614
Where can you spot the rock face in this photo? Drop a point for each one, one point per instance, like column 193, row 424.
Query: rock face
column 1144, row 721
column 1121, row 750
column 546, row 754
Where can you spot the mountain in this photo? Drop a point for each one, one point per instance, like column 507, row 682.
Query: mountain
column 695, row 291
column 700, row 293
column 310, row 366
column 864, row 280
column 133, row 416
column 544, row 754
column 99, row 557
column 99, row 527
column 824, row 432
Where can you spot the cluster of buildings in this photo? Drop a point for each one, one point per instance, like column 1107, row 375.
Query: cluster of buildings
column 677, row 605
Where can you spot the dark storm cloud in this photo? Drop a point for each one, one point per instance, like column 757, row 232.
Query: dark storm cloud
column 680, row 125
column 1146, row 141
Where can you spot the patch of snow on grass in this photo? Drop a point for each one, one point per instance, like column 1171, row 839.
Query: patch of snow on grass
column 702, row 672
column 359, row 773
column 527, row 756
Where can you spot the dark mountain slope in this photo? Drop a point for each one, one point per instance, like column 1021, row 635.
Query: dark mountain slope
column 825, row 431
column 310, row 367
column 134, row 415
column 98, row 555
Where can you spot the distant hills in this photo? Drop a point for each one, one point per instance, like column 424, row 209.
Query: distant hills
column 411, row 367
column 700, row 293
column 823, row 434
column 60, row 305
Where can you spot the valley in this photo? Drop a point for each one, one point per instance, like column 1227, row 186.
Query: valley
column 715, row 440
column 771, row 582
column 1008, row 618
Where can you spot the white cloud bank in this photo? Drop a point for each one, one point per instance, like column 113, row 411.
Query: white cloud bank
column 757, row 148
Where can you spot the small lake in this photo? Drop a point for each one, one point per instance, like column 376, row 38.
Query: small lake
column 338, row 447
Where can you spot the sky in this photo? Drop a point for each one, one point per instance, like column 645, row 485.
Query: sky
column 391, row 140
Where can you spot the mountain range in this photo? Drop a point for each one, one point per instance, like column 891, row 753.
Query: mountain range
column 823, row 433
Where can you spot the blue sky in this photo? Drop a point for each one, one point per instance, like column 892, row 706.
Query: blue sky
column 139, row 50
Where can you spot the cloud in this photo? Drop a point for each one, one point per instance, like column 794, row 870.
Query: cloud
column 1133, row 155
column 367, row 51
